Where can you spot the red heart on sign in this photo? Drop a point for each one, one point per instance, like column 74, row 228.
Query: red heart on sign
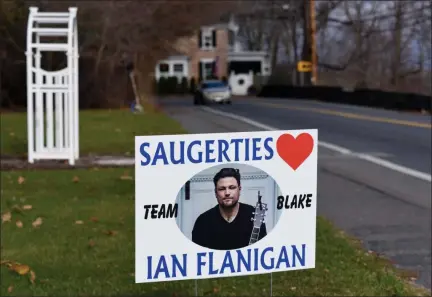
column 294, row 151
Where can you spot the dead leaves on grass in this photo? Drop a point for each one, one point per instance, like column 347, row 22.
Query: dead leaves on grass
column 19, row 224
column 126, row 176
column 21, row 180
column 111, row 232
column 6, row 217
column 36, row 223
column 20, row 269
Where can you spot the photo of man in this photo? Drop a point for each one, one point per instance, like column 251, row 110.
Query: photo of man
column 228, row 224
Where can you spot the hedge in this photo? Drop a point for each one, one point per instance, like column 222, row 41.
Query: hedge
column 359, row 96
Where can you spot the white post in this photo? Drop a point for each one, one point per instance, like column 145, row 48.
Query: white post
column 57, row 91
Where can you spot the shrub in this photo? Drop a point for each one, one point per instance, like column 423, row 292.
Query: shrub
column 192, row 86
column 184, row 86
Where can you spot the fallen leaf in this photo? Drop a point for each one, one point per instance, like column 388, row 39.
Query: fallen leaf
column 79, row 222
column 215, row 290
column 37, row 222
column 75, row 179
column 19, row 224
column 126, row 177
column 32, row 276
column 6, row 217
column 91, row 243
column 94, row 219
column 27, row 207
column 10, row 289
column 21, row 269
column 21, row 180
column 111, row 232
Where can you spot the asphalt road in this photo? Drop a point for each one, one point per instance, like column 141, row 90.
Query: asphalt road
column 399, row 138
column 388, row 210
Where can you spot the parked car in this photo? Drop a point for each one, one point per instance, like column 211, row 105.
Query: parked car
column 212, row 91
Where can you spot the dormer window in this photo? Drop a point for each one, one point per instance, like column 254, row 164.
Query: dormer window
column 207, row 39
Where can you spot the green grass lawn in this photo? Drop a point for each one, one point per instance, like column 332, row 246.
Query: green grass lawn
column 83, row 244
column 101, row 131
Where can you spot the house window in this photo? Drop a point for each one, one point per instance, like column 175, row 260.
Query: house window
column 208, row 39
column 163, row 68
column 178, row 68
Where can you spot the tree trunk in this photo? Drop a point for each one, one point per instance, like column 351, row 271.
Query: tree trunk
column 306, row 49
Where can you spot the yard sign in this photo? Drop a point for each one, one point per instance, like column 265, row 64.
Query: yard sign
column 224, row 204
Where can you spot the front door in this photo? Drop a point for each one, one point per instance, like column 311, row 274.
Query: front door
column 202, row 196
column 206, row 69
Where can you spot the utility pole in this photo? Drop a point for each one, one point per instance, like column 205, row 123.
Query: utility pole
column 313, row 42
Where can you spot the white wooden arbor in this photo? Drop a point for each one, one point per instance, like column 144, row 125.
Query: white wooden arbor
column 52, row 96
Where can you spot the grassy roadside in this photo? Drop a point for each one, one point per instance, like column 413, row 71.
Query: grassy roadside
column 84, row 245
column 101, row 131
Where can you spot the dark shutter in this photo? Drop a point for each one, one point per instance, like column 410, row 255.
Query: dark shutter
column 214, row 70
column 200, row 73
column 200, row 39
column 214, row 38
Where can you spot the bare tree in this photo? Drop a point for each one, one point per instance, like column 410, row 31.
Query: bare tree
column 109, row 31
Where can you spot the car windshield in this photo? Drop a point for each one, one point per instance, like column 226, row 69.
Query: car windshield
column 214, row 84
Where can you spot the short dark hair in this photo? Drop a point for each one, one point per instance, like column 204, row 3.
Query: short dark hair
column 227, row 172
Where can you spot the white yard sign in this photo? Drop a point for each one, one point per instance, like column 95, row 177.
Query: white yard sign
column 224, row 204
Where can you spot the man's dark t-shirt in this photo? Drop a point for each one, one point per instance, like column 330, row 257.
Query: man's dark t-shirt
column 211, row 230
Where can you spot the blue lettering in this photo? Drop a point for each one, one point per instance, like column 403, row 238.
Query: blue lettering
column 227, row 263
column 149, row 267
column 200, row 262
column 246, row 149
column 263, row 264
column 238, row 261
column 256, row 149
column 146, row 155
column 180, row 266
column 268, row 148
column 211, row 270
column 162, row 268
column 283, row 258
column 241, row 260
column 209, row 151
column 256, row 259
column 189, row 152
column 296, row 255
column 160, row 154
column 223, row 148
column 180, row 160
column 236, row 143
